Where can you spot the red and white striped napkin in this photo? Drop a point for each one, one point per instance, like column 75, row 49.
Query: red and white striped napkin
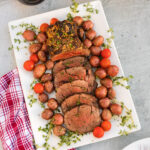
column 15, row 128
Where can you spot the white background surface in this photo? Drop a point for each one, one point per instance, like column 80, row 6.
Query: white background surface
column 130, row 21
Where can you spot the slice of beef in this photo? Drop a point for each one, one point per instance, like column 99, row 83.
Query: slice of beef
column 90, row 78
column 70, row 54
column 71, row 62
column 78, row 99
column 68, row 89
column 82, row 119
column 69, row 75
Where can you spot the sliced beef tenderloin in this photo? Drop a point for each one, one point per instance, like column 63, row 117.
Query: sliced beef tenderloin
column 78, row 99
column 68, row 89
column 70, row 54
column 90, row 78
column 82, row 119
column 71, row 62
column 69, row 75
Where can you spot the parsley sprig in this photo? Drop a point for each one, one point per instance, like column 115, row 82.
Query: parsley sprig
column 69, row 137
column 119, row 81
column 47, row 131
column 32, row 100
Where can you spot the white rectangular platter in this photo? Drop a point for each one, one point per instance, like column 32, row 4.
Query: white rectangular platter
column 101, row 27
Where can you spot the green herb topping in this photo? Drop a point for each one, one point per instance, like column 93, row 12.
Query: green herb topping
column 32, row 100
column 119, row 80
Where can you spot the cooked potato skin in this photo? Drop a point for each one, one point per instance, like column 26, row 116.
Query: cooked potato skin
column 39, row 70
column 46, row 77
column 104, row 103
column 49, row 87
column 59, row 130
column 29, row 35
column 95, row 50
column 101, row 92
column 81, row 33
column 87, row 43
column 43, row 97
column 106, row 115
column 106, row 82
column 52, row 104
column 49, row 64
column 57, row 119
column 41, row 37
column 112, row 70
column 34, row 48
column 94, row 61
column 116, row 109
column 47, row 114
column 100, row 73
column 98, row 41
column 111, row 93
column 44, row 47
column 78, row 20
column 90, row 34
column 88, row 25
column 42, row 56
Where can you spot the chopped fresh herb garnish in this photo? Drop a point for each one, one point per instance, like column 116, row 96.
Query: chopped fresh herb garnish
column 118, row 81
column 69, row 137
column 11, row 48
column 70, row 79
column 110, row 30
column 17, row 48
column 32, row 100
column 123, row 132
column 69, row 17
column 109, row 40
column 89, row 9
column 17, row 40
column 13, row 27
column 47, row 130
column 74, row 6
column 78, row 102
column 42, row 105
column 87, row 17
column 28, row 26
column 19, row 33
column 25, row 41
column 33, row 83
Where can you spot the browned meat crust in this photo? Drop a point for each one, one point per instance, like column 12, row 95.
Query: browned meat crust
column 63, row 41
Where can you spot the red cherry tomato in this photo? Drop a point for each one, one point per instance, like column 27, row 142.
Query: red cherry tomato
column 34, row 58
column 98, row 132
column 53, row 21
column 105, row 62
column 106, row 125
column 43, row 27
column 106, row 53
column 38, row 88
column 28, row 65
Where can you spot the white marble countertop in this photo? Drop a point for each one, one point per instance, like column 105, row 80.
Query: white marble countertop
column 130, row 20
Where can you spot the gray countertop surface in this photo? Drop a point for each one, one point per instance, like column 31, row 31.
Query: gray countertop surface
column 130, row 20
